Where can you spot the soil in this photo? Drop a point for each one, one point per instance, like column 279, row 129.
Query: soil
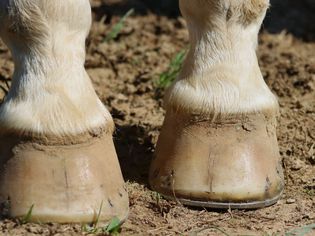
column 124, row 72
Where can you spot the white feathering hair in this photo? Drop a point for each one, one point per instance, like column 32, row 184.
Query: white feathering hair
column 51, row 92
column 221, row 75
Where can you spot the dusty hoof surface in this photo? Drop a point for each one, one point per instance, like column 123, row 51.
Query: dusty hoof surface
column 64, row 181
column 229, row 163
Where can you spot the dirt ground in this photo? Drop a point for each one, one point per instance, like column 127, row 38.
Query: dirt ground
column 124, row 72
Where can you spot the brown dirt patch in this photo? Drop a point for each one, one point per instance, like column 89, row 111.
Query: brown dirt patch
column 124, row 72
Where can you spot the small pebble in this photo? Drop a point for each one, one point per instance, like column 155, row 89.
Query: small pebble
column 290, row 201
column 297, row 165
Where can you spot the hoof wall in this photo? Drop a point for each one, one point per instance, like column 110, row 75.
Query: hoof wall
column 71, row 183
column 230, row 163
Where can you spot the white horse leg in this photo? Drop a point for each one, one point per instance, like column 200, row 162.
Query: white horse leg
column 218, row 146
column 56, row 149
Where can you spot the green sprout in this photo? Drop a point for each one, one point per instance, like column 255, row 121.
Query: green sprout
column 26, row 219
column 113, row 34
column 166, row 78
column 112, row 228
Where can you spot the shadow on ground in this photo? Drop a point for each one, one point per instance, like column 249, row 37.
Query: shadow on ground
column 135, row 149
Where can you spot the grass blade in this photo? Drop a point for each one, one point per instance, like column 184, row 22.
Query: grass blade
column 114, row 226
column 118, row 27
column 167, row 77
column 26, row 219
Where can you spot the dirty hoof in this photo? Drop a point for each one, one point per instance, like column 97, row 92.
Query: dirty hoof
column 65, row 180
column 232, row 162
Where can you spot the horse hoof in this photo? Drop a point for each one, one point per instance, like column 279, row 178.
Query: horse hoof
column 74, row 180
column 231, row 162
